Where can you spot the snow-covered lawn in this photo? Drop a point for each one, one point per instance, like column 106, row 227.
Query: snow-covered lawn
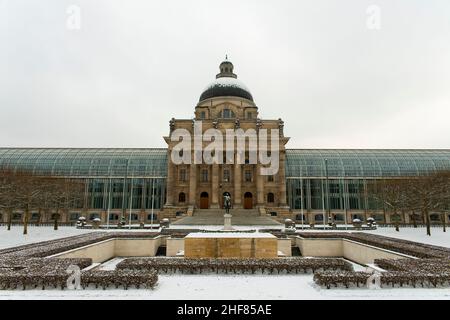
column 264, row 287
column 260, row 287
column 437, row 238
column 15, row 236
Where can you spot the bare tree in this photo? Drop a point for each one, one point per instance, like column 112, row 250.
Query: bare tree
column 29, row 193
column 429, row 193
column 8, row 193
column 65, row 194
column 392, row 194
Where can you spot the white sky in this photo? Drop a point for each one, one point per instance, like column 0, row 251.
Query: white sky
column 133, row 65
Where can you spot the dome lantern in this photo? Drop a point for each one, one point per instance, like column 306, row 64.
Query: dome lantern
column 226, row 69
column 226, row 84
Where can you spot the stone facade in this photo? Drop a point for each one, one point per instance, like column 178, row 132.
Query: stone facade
column 202, row 186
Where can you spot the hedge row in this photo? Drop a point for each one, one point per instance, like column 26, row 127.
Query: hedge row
column 26, row 266
column 231, row 265
column 347, row 279
column 330, row 279
column 415, row 265
column 58, row 279
column 47, row 248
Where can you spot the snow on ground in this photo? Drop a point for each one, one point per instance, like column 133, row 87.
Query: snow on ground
column 15, row 236
column 437, row 238
column 260, row 287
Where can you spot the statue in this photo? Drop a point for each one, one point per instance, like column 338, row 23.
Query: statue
column 172, row 124
column 227, row 215
column 227, row 202
column 258, row 124
column 280, row 126
column 237, row 123
column 215, row 123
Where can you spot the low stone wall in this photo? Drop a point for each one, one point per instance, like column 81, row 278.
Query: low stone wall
column 174, row 245
column 320, row 247
column 348, row 249
column 230, row 245
column 285, row 247
column 108, row 249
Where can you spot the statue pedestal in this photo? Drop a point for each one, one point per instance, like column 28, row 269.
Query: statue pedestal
column 227, row 222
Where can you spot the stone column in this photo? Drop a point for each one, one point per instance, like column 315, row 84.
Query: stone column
column 259, row 186
column 192, row 184
column 215, row 186
column 170, row 181
column 282, row 179
column 237, row 186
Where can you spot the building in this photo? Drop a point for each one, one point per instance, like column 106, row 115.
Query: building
column 144, row 186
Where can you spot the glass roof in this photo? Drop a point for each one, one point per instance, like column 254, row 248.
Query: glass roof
column 364, row 163
column 153, row 162
column 87, row 162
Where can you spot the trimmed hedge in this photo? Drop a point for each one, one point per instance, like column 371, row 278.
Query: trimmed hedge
column 231, row 265
column 25, row 267
column 347, row 279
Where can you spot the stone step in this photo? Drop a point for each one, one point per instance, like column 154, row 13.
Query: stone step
column 221, row 212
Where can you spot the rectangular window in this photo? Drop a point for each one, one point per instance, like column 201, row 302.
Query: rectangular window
column 74, row 216
column 205, row 175
column 248, row 176
column 226, row 175
column 270, row 178
column 182, row 176
column 202, row 115
column 249, row 115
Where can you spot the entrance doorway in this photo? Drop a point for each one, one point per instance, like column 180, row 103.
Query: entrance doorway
column 204, row 200
column 248, row 200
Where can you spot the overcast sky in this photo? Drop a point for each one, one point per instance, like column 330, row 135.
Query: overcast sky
column 322, row 66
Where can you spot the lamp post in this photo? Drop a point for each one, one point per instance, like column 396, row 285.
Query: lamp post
column 330, row 220
column 153, row 198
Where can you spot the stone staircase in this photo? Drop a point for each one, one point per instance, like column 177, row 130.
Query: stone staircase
column 221, row 212
column 241, row 217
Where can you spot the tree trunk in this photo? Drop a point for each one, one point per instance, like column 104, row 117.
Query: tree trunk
column 9, row 219
column 55, row 225
column 25, row 222
column 443, row 223
column 39, row 217
column 427, row 221
column 397, row 227
column 414, row 219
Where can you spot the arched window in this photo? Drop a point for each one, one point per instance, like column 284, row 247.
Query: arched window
column 270, row 197
column 113, row 216
column 227, row 114
column 155, row 216
column 435, row 217
column 318, row 217
column 182, row 197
